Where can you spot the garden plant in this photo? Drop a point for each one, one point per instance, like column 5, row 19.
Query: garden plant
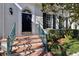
column 63, row 42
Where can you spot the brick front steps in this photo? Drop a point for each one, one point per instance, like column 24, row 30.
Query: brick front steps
column 28, row 46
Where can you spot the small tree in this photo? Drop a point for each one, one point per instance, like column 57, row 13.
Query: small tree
column 72, row 8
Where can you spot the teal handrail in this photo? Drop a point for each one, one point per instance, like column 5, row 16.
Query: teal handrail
column 41, row 30
column 42, row 34
column 10, row 39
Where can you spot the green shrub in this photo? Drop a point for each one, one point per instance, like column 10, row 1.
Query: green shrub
column 72, row 48
column 71, row 44
column 55, row 49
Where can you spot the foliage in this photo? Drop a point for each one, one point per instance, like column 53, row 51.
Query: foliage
column 50, row 7
column 71, row 47
column 55, row 49
column 71, row 43
column 73, row 8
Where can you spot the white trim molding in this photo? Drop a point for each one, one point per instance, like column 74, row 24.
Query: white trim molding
column 18, row 6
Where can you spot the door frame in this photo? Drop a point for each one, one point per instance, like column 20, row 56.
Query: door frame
column 31, row 20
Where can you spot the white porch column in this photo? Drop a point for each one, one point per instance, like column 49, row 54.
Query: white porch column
column 33, row 21
column 19, row 23
column 57, row 23
column 3, row 44
column 1, row 19
column 51, row 21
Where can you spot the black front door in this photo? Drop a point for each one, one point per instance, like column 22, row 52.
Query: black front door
column 26, row 22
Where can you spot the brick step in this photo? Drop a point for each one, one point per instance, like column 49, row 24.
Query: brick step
column 29, row 53
column 26, row 33
column 28, row 45
column 3, row 40
column 37, row 52
column 21, row 48
column 25, row 41
column 25, row 37
column 2, row 52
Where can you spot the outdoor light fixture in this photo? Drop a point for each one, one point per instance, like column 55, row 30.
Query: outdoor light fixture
column 11, row 11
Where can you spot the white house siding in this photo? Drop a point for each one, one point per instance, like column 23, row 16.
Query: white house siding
column 1, row 19
column 39, row 15
column 9, row 19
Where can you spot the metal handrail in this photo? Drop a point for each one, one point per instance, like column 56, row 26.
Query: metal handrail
column 41, row 26
column 10, row 39
column 42, row 34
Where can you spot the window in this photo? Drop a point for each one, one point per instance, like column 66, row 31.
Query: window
column 46, row 21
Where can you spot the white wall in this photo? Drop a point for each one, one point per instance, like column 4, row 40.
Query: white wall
column 11, row 19
column 16, row 17
column 1, row 19
column 39, row 15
